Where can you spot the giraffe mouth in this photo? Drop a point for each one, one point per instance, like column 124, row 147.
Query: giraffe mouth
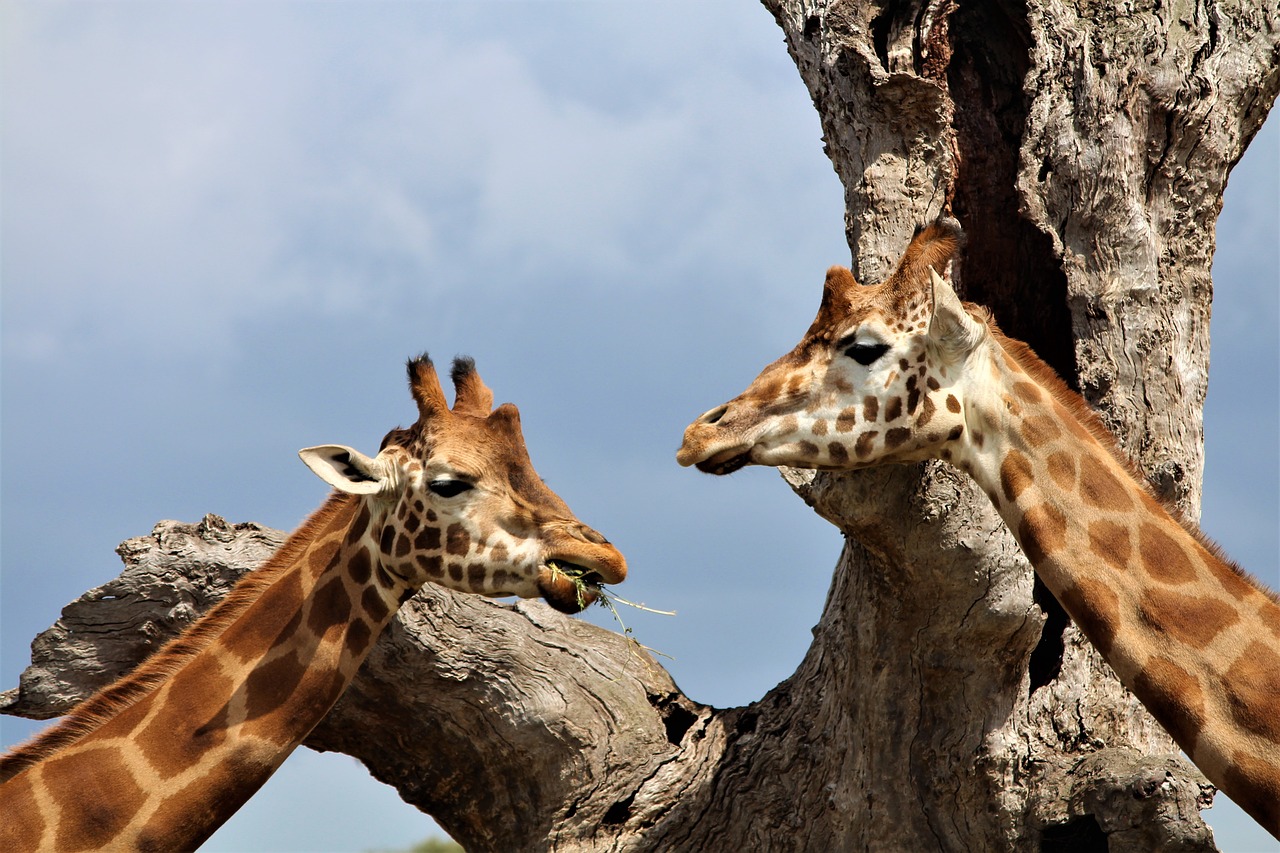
column 725, row 462
column 569, row 587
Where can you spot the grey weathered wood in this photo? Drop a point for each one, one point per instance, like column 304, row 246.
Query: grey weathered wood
column 945, row 703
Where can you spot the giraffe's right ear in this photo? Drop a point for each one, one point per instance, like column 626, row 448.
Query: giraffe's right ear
column 346, row 469
column 955, row 332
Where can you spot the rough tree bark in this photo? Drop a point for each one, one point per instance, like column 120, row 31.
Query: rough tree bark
column 945, row 703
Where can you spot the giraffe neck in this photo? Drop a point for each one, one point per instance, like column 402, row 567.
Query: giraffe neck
column 163, row 758
column 1196, row 640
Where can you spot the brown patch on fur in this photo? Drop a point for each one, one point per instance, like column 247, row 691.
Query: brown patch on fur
column 432, row 564
column 1096, row 609
column 1162, row 556
column 373, row 604
column 863, row 446
column 926, row 412
column 1189, row 619
column 839, row 454
column 1253, row 784
column 1174, row 698
column 428, row 539
column 358, row 637
column 1111, row 543
column 893, row 409
column 1042, row 532
column 895, row 437
column 1252, row 689
column 1015, row 475
column 330, row 606
column 103, row 797
column 1101, row 488
column 1062, row 468
column 953, row 405
column 457, row 541
column 1038, row 430
column 190, row 721
column 846, row 420
column 360, row 566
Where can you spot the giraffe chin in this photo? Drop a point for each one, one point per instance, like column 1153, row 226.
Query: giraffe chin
column 560, row 590
column 725, row 462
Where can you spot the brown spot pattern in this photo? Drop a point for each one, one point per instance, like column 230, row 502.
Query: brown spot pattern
column 1173, row 696
column 1162, row 556
column 360, row 566
column 1100, row 487
column 1111, row 543
column 1096, row 609
column 330, row 607
column 457, row 541
column 870, row 409
column 428, row 539
column 895, row 437
column 1042, row 532
column 839, row 454
column 373, row 604
column 863, row 446
column 1038, row 430
column 893, row 409
column 1015, row 475
column 1028, row 392
column 191, row 720
column 1062, row 468
column 102, row 797
column 926, row 413
column 1189, row 619
column 845, row 420
column 1252, row 686
column 1252, row 783
column 432, row 564
column 953, row 405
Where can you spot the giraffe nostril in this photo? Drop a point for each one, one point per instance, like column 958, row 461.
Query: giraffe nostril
column 714, row 416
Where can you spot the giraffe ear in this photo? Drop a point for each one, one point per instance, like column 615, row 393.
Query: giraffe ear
column 346, row 469
column 952, row 327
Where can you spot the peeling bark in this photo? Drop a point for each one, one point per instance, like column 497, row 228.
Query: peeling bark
column 946, row 702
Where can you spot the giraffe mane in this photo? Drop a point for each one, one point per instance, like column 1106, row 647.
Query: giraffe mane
column 1049, row 379
column 124, row 692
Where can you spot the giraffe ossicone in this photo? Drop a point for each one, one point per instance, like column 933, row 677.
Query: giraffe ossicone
column 904, row 371
column 165, row 755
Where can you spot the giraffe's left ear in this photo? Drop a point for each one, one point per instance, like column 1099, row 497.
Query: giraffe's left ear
column 346, row 469
column 952, row 327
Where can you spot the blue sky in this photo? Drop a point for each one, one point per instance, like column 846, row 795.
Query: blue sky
column 225, row 226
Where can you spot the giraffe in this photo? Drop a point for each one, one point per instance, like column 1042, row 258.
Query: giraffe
column 164, row 756
column 904, row 371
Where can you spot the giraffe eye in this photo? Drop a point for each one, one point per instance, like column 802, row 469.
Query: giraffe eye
column 865, row 354
column 447, row 488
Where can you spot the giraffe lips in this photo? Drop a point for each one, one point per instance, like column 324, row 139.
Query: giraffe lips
column 725, row 462
column 568, row 587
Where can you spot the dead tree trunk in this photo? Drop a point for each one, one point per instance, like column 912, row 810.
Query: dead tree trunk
column 946, row 703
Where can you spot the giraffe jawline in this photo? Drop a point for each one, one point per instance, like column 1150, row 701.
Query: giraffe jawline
column 725, row 462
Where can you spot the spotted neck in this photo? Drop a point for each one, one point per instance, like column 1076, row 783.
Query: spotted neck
column 1194, row 638
column 163, row 758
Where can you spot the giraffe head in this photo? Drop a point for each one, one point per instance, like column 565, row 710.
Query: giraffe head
column 454, row 500
column 874, row 380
